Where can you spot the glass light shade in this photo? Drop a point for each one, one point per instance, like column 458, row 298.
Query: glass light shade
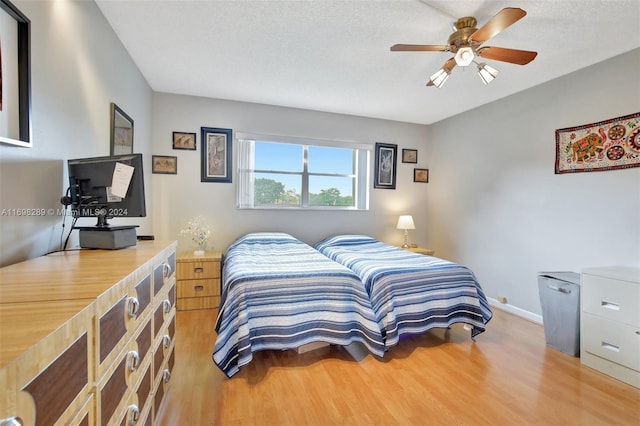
column 440, row 77
column 406, row 222
column 487, row 73
column 464, row 56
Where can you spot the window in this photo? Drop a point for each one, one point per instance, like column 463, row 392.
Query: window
column 284, row 172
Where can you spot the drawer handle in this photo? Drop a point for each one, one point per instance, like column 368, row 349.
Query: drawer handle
column 198, row 287
column 198, row 270
column 133, row 361
column 166, row 306
column 560, row 289
column 166, row 270
column 610, row 305
column 11, row 421
column 166, row 341
column 166, row 375
column 134, row 414
column 611, row 347
column 133, row 306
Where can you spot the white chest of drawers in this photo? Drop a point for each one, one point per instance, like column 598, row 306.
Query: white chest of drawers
column 610, row 322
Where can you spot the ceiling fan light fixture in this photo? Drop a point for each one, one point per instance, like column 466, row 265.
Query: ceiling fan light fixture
column 440, row 77
column 464, row 56
column 487, row 73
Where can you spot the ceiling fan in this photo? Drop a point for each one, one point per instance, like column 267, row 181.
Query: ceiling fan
column 465, row 43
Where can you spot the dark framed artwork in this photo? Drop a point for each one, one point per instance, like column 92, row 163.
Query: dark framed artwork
column 421, row 175
column 216, row 154
column 386, row 158
column 410, row 156
column 15, row 76
column 164, row 164
column 184, row 140
column 121, row 131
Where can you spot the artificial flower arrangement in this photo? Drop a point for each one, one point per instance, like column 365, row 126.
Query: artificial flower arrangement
column 199, row 232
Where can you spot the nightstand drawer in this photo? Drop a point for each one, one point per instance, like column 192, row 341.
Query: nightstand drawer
column 198, row 288
column 198, row 270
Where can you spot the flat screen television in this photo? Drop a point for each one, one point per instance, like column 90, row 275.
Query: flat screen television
column 96, row 188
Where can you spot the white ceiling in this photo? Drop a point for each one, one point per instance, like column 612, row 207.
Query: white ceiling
column 330, row 55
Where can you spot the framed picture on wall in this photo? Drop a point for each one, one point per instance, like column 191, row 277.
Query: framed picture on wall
column 15, row 76
column 421, row 175
column 410, row 156
column 216, row 154
column 184, row 140
column 164, row 164
column 385, row 166
column 121, row 131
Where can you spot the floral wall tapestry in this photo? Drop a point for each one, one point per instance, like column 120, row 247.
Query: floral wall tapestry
column 607, row 145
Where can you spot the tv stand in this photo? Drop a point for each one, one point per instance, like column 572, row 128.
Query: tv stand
column 108, row 237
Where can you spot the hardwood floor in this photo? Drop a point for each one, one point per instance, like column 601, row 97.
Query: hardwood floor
column 508, row 377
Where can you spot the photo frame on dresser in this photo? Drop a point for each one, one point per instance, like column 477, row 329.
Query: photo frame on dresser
column 15, row 76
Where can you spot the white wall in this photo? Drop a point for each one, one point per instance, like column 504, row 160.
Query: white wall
column 78, row 67
column 179, row 197
column 495, row 204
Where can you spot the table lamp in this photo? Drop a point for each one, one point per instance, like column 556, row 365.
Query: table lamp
column 405, row 222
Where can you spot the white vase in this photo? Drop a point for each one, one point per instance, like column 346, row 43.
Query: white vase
column 198, row 252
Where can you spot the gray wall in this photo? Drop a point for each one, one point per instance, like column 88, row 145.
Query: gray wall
column 177, row 198
column 495, row 204
column 78, row 68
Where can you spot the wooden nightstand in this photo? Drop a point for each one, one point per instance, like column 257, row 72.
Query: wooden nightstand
column 198, row 280
column 421, row 250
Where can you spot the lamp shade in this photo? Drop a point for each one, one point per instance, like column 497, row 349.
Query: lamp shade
column 487, row 73
column 405, row 222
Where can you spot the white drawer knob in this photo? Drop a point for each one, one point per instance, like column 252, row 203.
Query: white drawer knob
column 166, row 375
column 11, row 421
column 133, row 415
column 133, row 360
column 133, row 306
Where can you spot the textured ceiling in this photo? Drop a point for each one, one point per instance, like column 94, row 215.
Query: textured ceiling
column 334, row 55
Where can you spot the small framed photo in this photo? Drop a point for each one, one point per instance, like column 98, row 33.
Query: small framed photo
column 410, row 156
column 385, row 166
column 184, row 140
column 421, row 175
column 216, row 154
column 164, row 164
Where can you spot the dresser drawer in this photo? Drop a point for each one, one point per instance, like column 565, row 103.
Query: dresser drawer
column 607, row 339
column 611, row 298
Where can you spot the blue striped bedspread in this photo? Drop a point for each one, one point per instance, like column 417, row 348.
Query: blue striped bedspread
column 410, row 292
column 280, row 293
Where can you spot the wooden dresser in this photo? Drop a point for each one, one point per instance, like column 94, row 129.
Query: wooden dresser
column 86, row 337
column 198, row 280
column 610, row 322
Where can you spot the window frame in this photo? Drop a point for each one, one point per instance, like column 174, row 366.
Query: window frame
column 246, row 170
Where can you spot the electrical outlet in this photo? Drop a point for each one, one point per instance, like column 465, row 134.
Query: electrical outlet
column 502, row 299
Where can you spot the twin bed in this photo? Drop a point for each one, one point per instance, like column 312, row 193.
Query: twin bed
column 280, row 293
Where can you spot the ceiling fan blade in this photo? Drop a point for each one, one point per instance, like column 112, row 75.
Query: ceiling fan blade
column 503, row 19
column 448, row 67
column 513, row 56
column 419, row 48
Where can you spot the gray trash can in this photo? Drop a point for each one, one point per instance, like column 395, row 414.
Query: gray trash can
column 560, row 301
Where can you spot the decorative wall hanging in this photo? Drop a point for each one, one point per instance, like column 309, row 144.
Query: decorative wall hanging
column 184, row 140
column 15, row 76
column 163, row 164
column 216, row 154
column 607, row 145
column 385, row 167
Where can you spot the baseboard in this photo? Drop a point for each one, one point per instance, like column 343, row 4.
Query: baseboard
column 515, row 310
